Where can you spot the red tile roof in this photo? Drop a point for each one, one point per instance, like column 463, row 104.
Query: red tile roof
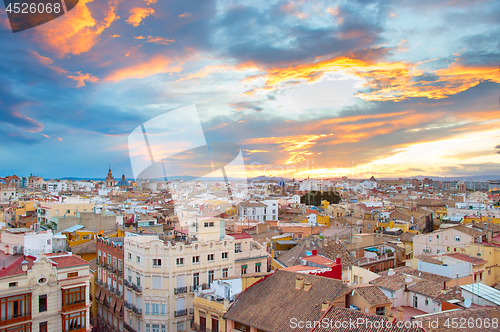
column 11, row 264
column 66, row 260
column 239, row 236
column 467, row 258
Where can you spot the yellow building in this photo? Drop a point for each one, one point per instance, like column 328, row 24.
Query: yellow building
column 325, row 204
column 405, row 226
column 441, row 212
column 491, row 254
column 476, row 219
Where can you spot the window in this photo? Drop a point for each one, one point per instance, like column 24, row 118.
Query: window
column 42, row 327
column 196, row 280
column 15, row 306
column 225, row 272
column 72, row 275
column 180, row 261
column 196, row 259
column 129, row 256
column 237, row 247
column 156, row 281
column 120, row 265
column 210, row 277
column 42, row 303
column 355, row 279
column 73, row 296
column 138, row 259
column 225, row 255
column 430, row 238
column 147, row 310
column 156, row 262
column 257, row 267
column 210, row 257
column 426, row 302
column 147, row 328
column 180, row 326
column 155, row 309
column 57, row 212
column 12, row 284
column 380, row 311
column 74, row 321
column 163, row 309
column 138, row 278
column 243, row 269
column 457, row 238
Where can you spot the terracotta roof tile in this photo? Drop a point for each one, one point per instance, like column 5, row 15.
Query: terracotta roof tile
column 270, row 304
column 372, row 294
column 445, row 320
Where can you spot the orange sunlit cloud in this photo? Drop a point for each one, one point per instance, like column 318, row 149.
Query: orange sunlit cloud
column 158, row 64
column 185, row 15
column 137, row 14
column 115, row 36
column 78, row 31
column 148, row 2
column 140, row 37
column 37, row 127
column 78, row 76
column 159, row 40
column 387, row 80
column 82, row 78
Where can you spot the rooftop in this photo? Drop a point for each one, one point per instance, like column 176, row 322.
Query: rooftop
column 486, row 292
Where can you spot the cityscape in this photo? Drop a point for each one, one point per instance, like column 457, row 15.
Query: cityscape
column 249, row 166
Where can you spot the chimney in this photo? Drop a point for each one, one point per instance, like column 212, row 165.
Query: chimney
column 391, row 272
column 299, row 282
column 307, row 286
column 399, row 315
column 324, row 306
column 444, row 285
column 314, row 252
column 337, row 260
column 408, row 279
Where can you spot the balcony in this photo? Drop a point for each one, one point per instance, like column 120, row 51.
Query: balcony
column 199, row 328
column 179, row 313
column 369, row 260
column 69, row 306
column 205, row 286
column 128, row 327
column 193, row 289
column 180, row 290
column 191, row 311
column 128, row 305
column 13, row 319
column 137, row 311
column 137, row 289
column 128, row 284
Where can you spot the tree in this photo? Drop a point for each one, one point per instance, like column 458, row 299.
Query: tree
column 315, row 197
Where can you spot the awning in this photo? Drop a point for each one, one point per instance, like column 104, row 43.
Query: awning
column 113, row 302
column 98, row 293
column 257, row 264
column 119, row 306
column 243, row 266
column 102, row 296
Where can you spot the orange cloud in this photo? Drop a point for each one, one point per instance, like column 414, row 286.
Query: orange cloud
column 148, row 2
column 78, row 76
column 334, row 11
column 115, row 36
column 386, row 80
column 185, row 15
column 76, row 32
column 158, row 64
column 140, row 37
column 159, row 40
column 137, row 14
column 36, row 126
column 82, row 78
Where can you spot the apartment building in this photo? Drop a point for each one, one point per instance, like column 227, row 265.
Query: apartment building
column 249, row 256
column 161, row 278
column 48, row 213
column 447, row 240
column 109, row 284
column 45, row 293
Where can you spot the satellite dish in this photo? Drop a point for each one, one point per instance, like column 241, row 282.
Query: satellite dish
column 467, row 302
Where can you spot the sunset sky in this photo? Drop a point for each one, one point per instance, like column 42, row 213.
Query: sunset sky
column 305, row 88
